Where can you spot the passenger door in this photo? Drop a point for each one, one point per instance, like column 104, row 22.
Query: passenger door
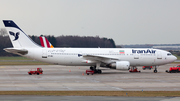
column 44, row 53
column 159, row 56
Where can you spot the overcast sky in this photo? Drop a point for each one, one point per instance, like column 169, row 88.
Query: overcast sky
column 125, row 21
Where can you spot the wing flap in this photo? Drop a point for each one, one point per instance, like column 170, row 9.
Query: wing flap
column 100, row 58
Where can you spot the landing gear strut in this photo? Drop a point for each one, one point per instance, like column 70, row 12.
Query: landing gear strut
column 155, row 70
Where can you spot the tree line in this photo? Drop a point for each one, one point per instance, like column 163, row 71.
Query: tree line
column 61, row 41
column 77, row 41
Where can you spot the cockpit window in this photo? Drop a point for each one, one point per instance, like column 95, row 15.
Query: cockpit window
column 168, row 54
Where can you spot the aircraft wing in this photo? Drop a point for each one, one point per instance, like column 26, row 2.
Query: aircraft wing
column 18, row 51
column 99, row 58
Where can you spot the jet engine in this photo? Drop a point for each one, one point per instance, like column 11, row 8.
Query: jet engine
column 122, row 65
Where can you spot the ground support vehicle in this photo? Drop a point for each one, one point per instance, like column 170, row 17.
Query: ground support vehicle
column 174, row 69
column 133, row 69
column 147, row 67
column 35, row 71
column 90, row 72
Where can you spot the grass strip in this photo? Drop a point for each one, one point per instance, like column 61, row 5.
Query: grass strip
column 19, row 61
column 14, row 58
column 24, row 63
column 96, row 93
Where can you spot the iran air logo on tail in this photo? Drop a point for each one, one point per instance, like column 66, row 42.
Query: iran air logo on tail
column 16, row 35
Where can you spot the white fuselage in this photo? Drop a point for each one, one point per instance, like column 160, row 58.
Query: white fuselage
column 70, row 56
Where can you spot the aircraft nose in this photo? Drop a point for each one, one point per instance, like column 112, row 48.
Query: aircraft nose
column 174, row 58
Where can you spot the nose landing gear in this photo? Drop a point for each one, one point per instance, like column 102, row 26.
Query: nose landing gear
column 155, row 70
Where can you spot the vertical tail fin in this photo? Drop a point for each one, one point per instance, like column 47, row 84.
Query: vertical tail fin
column 18, row 38
column 45, row 43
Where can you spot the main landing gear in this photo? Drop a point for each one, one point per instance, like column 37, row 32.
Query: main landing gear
column 93, row 68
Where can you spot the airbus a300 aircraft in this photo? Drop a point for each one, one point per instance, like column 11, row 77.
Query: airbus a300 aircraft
column 114, row 58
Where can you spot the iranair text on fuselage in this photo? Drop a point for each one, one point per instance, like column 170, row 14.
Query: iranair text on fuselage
column 148, row 51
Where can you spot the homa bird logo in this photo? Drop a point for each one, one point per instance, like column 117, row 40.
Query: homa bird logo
column 16, row 36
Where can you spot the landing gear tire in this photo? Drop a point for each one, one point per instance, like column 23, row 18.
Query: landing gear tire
column 91, row 68
column 95, row 70
column 155, row 71
column 99, row 71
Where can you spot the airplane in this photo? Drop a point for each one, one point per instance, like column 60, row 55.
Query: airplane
column 113, row 58
column 45, row 43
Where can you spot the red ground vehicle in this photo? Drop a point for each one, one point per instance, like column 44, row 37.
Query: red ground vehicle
column 35, row 71
column 134, row 69
column 147, row 67
column 89, row 72
column 174, row 69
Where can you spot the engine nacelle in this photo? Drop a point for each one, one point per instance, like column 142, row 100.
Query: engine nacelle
column 122, row 65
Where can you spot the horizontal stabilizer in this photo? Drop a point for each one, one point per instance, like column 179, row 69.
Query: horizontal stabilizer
column 18, row 51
